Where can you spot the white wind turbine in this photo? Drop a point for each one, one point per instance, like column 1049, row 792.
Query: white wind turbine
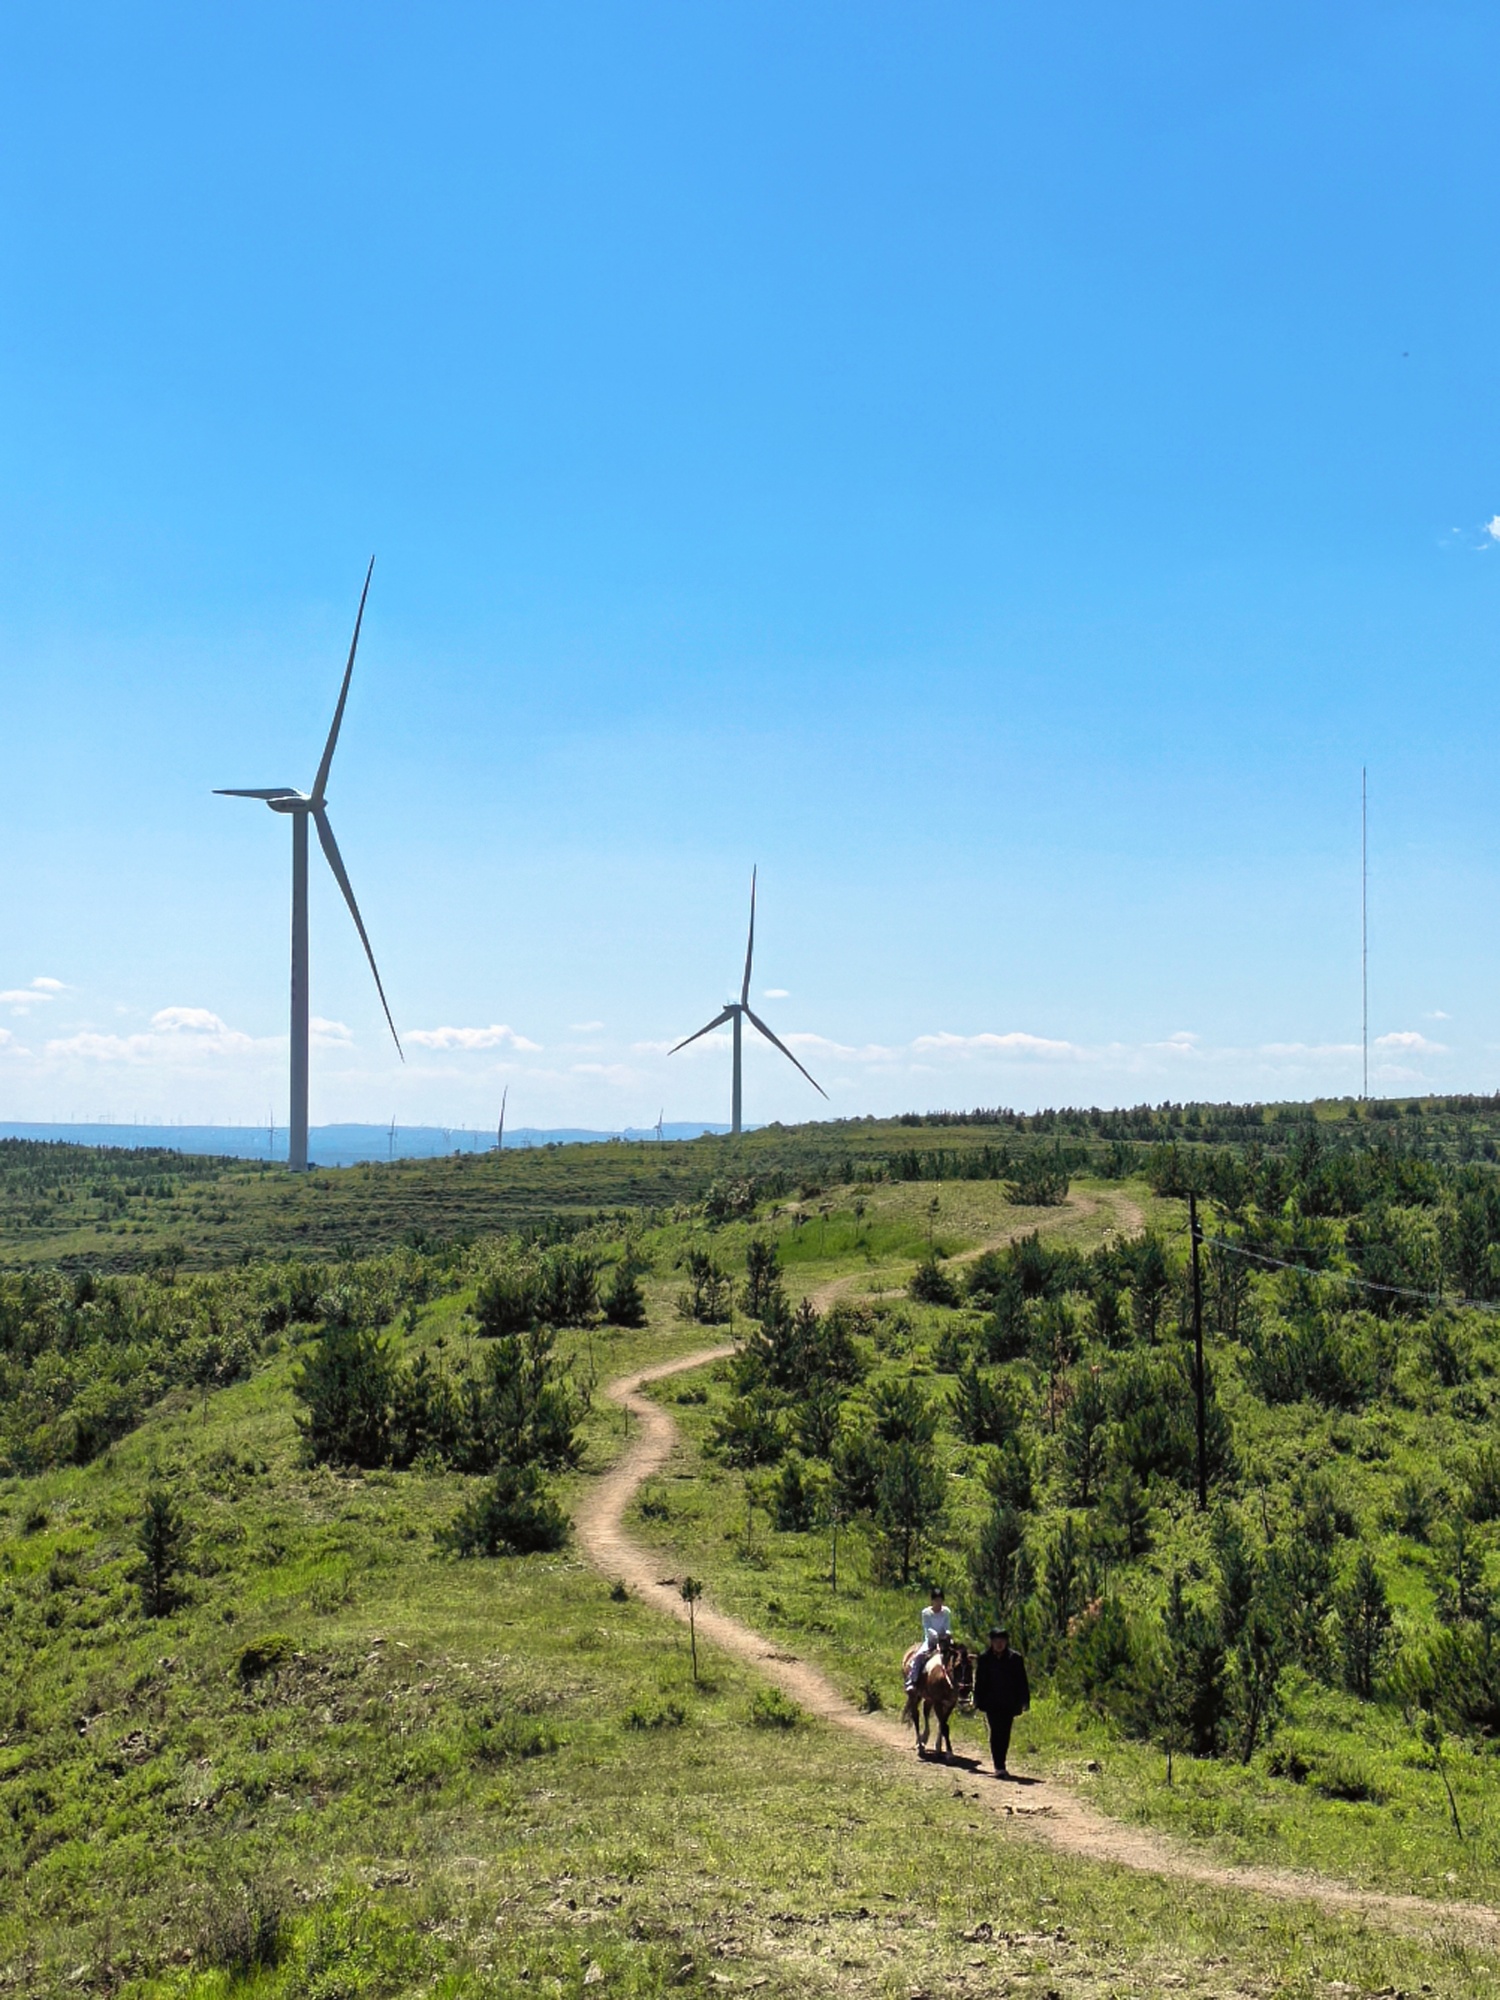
column 739, row 1011
column 302, row 807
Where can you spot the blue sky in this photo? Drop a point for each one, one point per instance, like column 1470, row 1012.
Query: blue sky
column 1002, row 470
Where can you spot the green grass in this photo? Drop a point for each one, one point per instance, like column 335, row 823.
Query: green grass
column 440, row 1783
column 422, row 1776
column 718, row 1520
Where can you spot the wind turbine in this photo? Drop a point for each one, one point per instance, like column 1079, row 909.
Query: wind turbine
column 302, row 807
column 500, row 1135
column 739, row 1011
column 659, row 1117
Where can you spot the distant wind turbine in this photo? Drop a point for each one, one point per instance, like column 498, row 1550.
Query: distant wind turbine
column 739, row 1011
column 659, row 1117
column 302, row 807
column 500, row 1135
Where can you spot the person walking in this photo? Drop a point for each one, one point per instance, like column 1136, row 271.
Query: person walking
column 1001, row 1693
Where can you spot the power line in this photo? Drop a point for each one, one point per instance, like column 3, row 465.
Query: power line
column 1348, row 1278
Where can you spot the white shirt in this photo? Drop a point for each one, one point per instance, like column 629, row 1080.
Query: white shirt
column 936, row 1625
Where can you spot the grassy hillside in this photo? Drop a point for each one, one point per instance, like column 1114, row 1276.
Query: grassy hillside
column 115, row 1210
column 344, row 1762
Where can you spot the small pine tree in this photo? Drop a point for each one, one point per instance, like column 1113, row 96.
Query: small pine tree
column 159, row 1539
column 762, row 1278
column 1185, row 1697
column 1364, row 1626
column 513, row 1516
column 1083, row 1435
column 984, row 1412
column 1125, row 1513
column 1000, row 1573
column 909, row 1503
column 691, row 1590
column 930, row 1284
column 624, row 1303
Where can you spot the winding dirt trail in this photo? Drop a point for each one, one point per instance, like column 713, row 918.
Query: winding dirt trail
column 1042, row 1810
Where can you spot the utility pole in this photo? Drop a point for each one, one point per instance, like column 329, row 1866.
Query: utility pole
column 1198, row 1380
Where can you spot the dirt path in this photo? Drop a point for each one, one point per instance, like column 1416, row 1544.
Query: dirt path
column 1045, row 1811
column 1128, row 1218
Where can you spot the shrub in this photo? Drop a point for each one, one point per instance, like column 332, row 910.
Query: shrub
column 665, row 1715
column 513, row 1516
column 1484, row 1485
column 242, row 1930
column 1038, row 1182
column 1457, row 1678
column 511, row 1738
column 1307, row 1361
column 930, row 1284
column 262, row 1656
column 792, row 1498
column 748, row 1433
column 770, row 1709
column 1338, row 1776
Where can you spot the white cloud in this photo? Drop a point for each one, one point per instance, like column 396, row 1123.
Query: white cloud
column 1437, row 1014
column 776, row 993
column 585, row 1027
column 21, row 999
column 1409, row 1042
column 1013, row 1044
column 606, row 1072
column 1492, row 528
column 175, row 1032
column 331, row 1034
column 472, row 1038
column 187, row 1021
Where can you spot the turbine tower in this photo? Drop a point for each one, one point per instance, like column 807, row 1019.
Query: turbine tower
column 739, row 1011
column 302, row 807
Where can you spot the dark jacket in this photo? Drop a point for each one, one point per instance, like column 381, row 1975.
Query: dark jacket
column 1000, row 1683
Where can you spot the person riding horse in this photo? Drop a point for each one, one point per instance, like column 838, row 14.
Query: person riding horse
column 937, row 1630
column 936, row 1676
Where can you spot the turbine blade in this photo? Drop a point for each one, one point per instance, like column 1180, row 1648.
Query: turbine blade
column 750, row 947
column 717, row 1022
column 759, row 1023
column 338, row 714
column 269, row 792
column 335, row 862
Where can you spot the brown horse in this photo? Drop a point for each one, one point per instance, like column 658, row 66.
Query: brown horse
column 935, row 1696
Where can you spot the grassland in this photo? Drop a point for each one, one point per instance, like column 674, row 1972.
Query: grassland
column 105, row 1210
column 476, row 1778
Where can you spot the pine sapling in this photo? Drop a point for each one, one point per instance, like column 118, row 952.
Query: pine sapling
column 691, row 1591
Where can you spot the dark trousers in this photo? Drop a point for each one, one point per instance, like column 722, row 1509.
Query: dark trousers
column 1000, row 1728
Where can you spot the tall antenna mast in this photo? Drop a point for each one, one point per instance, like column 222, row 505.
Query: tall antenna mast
column 1364, row 922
